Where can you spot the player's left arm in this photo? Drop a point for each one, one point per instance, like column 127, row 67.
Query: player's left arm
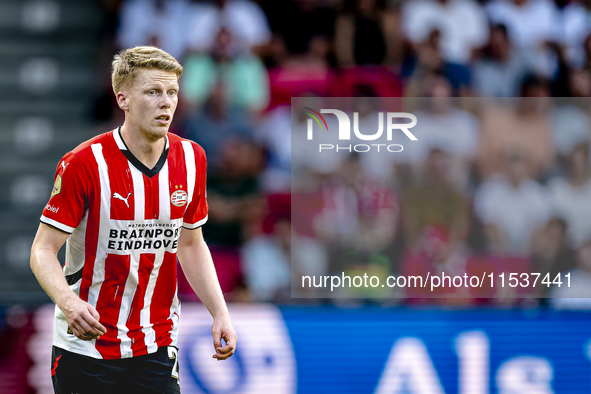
column 197, row 265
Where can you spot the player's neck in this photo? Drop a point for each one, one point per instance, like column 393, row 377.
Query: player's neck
column 147, row 151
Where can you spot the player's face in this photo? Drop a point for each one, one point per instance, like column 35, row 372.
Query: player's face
column 152, row 100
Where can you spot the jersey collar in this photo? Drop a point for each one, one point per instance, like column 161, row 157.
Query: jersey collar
column 135, row 161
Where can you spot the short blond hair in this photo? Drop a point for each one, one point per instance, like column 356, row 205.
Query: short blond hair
column 127, row 62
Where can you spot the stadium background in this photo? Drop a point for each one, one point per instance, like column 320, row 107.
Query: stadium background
column 244, row 61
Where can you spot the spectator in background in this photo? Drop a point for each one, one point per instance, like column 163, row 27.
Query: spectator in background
column 511, row 206
column 576, row 23
column 530, row 24
column 358, row 212
column 561, row 77
column 243, row 75
column 578, row 294
column 571, row 196
column 216, row 122
column 266, row 261
column 462, row 25
column 525, row 128
column 436, row 201
column 357, row 221
column 273, row 133
column 551, row 253
column 502, row 67
column 266, row 264
column 154, row 22
column 367, row 33
column 580, row 82
column 444, row 126
column 587, row 49
column 298, row 74
column 570, row 119
column 235, row 211
column 233, row 193
column 427, row 61
column 434, row 253
column 296, row 23
column 244, row 20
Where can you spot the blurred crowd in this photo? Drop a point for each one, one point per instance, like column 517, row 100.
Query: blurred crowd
column 493, row 184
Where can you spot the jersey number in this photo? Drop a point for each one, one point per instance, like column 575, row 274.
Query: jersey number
column 173, row 354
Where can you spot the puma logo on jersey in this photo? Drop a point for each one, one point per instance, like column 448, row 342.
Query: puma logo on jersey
column 120, row 197
column 64, row 166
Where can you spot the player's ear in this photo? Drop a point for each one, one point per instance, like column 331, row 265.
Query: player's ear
column 122, row 100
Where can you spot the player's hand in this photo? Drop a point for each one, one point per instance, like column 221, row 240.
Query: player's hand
column 222, row 328
column 83, row 319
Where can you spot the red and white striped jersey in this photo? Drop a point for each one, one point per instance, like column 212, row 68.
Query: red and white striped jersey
column 124, row 222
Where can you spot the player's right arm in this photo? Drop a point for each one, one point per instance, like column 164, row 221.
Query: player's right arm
column 61, row 216
column 82, row 317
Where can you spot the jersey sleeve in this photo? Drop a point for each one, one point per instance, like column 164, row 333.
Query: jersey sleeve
column 67, row 202
column 196, row 213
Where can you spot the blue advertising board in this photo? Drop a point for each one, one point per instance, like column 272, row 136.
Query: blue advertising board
column 369, row 349
column 384, row 350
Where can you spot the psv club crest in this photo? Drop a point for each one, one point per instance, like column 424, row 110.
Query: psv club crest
column 178, row 198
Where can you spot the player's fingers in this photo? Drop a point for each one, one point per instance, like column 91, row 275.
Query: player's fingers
column 76, row 330
column 79, row 332
column 89, row 324
column 85, row 336
column 225, row 349
column 228, row 350
column 231, row 339
column 88, row 329
column 99, row 327
column 224, row 356
column 92, row 321
column 217, row 338
column 93, row 312
column 88, row 337
column 229, row 346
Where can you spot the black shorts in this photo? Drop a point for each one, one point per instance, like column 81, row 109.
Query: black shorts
column 73, row 373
